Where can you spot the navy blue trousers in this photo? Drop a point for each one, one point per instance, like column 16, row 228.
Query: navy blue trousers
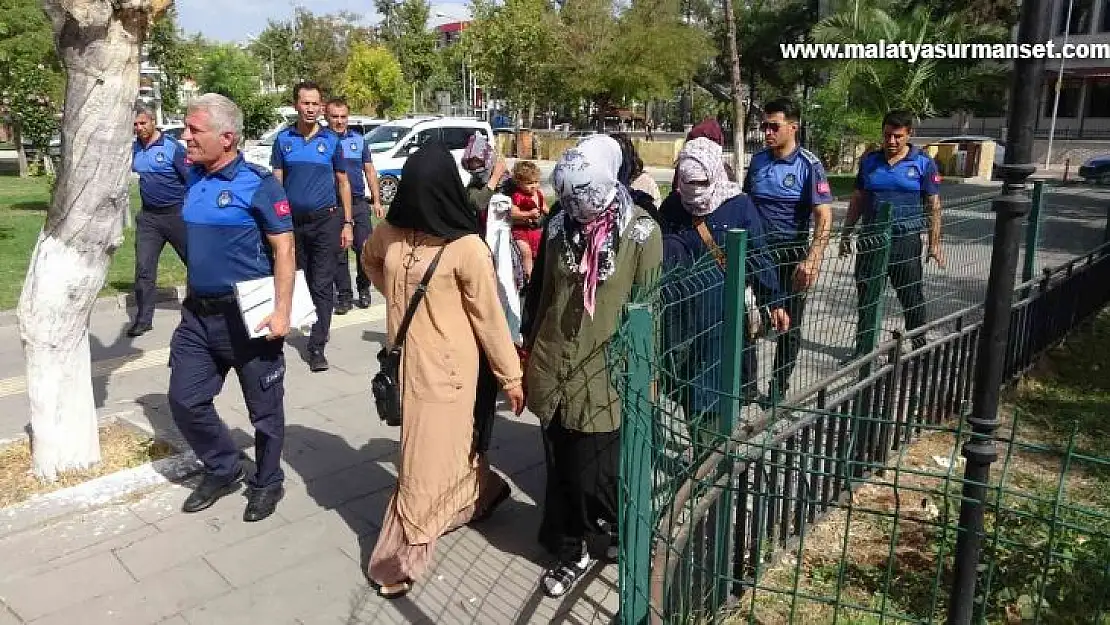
column 317, row 238
column 153, row 230
column 360, row 213
column 210, row 341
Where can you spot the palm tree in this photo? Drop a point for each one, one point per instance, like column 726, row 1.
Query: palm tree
column 883, row 85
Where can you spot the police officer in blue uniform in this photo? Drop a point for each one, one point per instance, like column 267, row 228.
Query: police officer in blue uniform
column 307, row 158
column 359, row 164
column 239, row 227
column 789, row 188
column 160, row 163
column 907, row 177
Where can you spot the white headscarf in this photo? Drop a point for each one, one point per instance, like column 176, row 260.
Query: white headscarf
column 702, row 160
column 585, row 178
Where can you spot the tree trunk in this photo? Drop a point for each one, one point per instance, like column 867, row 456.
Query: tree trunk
column 98, row 43
column 738, row 128
column 20, row 153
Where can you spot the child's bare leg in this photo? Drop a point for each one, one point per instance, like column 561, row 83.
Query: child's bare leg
column 525, row 258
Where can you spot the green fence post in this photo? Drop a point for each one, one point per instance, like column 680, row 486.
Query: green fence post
column 732, row 357
column 635, row 516
column 1033, row 232
column 871, row 308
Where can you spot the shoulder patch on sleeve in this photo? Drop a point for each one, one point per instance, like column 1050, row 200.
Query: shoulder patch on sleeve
column 642, row 229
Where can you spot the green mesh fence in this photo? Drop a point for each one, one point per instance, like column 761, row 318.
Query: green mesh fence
column 839, row 503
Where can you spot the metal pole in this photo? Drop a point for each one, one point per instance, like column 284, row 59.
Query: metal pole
column 1059, row 86
column 1010, row 208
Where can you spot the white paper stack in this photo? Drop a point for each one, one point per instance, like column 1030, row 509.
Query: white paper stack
column 256, row 301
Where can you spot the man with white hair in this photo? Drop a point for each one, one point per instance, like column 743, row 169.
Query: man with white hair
column 239, row 227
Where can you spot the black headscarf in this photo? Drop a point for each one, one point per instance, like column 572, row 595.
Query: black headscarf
column 431, row 197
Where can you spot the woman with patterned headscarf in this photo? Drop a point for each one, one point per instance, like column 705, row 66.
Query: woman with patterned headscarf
column 599, row 249
column 697, row 214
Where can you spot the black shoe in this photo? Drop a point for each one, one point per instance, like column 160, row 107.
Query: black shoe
column 139, row 329
column 363, row 299
column 343, row 307
column 211, row 489
column 317, row 361
column 261, row 502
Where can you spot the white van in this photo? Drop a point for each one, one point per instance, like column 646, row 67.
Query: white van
column 259, row 152
column 391, row 144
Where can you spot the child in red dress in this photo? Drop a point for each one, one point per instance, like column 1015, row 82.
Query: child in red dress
column 529, row 208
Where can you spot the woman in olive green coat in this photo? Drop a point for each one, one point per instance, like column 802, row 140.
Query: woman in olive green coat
column 599, row 248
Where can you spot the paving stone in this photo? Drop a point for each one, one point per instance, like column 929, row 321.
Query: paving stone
column 149, row 601
column 182, row 537
column 283, row 548
column 325, row 588
column 29, row 553
column 60, row 588
column 333, row 490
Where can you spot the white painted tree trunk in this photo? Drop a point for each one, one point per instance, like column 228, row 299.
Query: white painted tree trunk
column 98, row 42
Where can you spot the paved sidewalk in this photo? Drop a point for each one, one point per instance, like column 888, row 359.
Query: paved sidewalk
column 141, row 561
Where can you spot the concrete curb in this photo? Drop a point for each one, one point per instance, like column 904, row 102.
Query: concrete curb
column 121, row 301
column 102, row 491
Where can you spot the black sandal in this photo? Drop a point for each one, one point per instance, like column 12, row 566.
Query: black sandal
column 557, row 581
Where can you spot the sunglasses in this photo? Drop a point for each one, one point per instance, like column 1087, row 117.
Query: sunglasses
column 773, row 126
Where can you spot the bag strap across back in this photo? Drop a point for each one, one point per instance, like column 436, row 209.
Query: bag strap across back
column 415, row 301
column 707, row 238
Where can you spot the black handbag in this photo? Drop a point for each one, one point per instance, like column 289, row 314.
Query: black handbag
column 385, row 386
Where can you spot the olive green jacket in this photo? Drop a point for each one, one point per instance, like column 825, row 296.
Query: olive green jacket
column 567, row 365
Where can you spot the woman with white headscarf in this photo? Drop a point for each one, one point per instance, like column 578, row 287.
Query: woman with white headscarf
column 599, row 248
column 695, row 217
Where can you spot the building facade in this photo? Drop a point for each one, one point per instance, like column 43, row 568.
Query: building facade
column 1082, row 111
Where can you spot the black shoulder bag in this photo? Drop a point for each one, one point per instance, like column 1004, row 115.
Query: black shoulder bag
column 385, row 384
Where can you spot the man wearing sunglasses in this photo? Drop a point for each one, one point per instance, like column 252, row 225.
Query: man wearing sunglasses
column 907, row 178
column 789, row 188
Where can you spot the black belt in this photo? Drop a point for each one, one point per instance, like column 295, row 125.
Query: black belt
column 316, row 215
column 209, row 306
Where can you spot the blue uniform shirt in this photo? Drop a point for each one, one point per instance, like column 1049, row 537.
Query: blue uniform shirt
column 904, row 184
column 308, row 167
column 227, row 213
column 785, row 191
column 355, row 157
column 162, row 172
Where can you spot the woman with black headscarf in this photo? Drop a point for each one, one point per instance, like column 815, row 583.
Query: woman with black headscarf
column 441, row 483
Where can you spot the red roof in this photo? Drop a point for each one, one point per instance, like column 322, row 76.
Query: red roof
column 452, row 27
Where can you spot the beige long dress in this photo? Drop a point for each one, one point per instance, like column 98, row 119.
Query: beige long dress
column 439, row 482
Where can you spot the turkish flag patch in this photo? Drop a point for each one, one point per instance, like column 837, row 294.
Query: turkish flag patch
column 282, row 208
column 823, row 187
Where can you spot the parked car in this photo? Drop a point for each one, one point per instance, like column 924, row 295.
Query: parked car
column 392, row 144
column 1096, row 170
column 173, row 131
column 258, row 152
column 999, row 148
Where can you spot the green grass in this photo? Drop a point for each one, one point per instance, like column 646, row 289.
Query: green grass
column 23, row 203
